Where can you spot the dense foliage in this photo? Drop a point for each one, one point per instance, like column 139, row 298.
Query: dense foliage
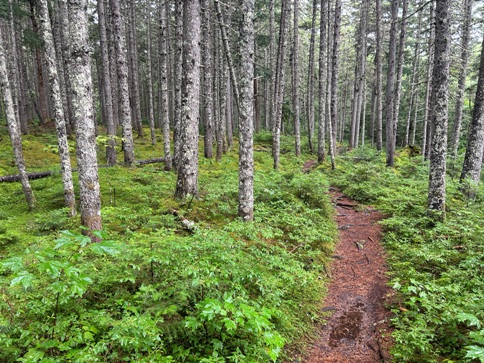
column 170, row 281
column 436, row 268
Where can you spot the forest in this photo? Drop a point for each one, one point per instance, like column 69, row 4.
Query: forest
column 221, row 181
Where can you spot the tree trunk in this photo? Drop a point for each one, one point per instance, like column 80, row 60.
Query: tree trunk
column 440, row 87
column 310, row 93
column 390, row 127
column 225, row 42
column 50, row 56
column 42, row 103
column 90, row 195
column 106, row 82
column 459, row 99
column 135, row 69
column 475, row 141
column 270, row 66
column 323, row 79
column 151, row 110
column 207, row 80
column 295, row 80
column 122, row 69
column 334, row 82
column 428, row 99
column 378, row 86
column 178, row 63
column 246, row 113
column 187, row 182
column 400, row 60
column 279, row 84
column 164, row 111
column 13, row 128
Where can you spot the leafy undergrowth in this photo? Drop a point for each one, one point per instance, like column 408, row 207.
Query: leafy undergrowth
column 171, row 281
column 436, row 268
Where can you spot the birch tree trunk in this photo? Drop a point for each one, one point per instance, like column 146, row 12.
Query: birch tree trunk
column 295, row 80
column 187, row 182
column 246, row 113
column 50, row 57
column 83, row 113
column 207, row 80
column 459, row 98
column 440, row 87
column 13, row 127
column 475, row 141
column 378, row 83
column 322, row 83
column 164, row 110
column 310, row 93
column 122, row 69
column 106, row 82
column 390, row 126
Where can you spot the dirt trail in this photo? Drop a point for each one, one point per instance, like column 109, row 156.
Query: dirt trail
column 358, row 330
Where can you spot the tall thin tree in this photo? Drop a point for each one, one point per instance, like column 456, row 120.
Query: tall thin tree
column 187, row 182
column 246, row 113
column 83, row 113
column 440, row 88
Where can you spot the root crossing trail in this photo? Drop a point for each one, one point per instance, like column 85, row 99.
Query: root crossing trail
column 358, row 329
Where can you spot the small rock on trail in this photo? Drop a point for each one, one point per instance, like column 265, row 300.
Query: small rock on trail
column 358, row 330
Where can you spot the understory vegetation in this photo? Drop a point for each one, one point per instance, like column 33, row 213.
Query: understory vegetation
column 436, row 268
column 170, row 281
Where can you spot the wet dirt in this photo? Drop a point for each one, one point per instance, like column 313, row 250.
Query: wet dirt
column 358, row 330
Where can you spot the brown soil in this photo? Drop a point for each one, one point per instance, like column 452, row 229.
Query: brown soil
column 358, row 330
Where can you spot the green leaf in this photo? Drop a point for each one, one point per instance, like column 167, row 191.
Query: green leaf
column 23, row 277
column 475, row 352
column 472, row 320
column 105, row 248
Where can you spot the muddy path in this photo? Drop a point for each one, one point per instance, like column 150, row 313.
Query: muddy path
column 358, row 329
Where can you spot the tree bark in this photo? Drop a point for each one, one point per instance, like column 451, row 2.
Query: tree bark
column 334, row 83
column 50, row 56
column 149, row 70
column 13, row 127
column 322, row 83
column 475, row 141
column 207, row 80
column 164, row 110
column 428, row 92
column 440, row 86
column 295, row 80
column 400, row 60
column 122, row 69
column 178, row 63
column 136, row 103
column 459, row 98
column 378, row 85
column 310, row 92
column 187, row 182
column 106, row 83
column 246, row 113
column 279, row 84
column 90, row 194
column 390, row 126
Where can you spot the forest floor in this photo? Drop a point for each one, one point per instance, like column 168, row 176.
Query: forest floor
column 359, row 328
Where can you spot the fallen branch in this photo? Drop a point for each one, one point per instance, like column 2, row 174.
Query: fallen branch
column 31, row 176
column 45, row 174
